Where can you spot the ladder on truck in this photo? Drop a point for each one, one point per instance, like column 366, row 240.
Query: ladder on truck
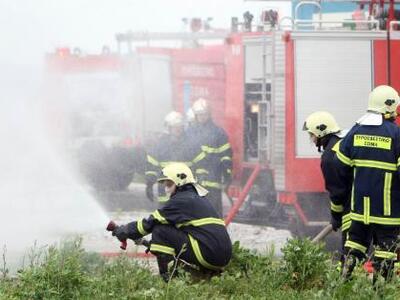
column 267, row 106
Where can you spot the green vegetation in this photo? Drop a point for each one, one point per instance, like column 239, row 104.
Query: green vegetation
column 304, row 272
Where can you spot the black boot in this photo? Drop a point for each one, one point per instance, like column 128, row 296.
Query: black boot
column 348, row 266
column 163, row 261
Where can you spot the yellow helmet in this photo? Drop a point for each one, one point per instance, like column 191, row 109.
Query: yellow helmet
column 201, row 106
column 321, row 123
column 180, row 174
column 383, row 99
column 174, row 118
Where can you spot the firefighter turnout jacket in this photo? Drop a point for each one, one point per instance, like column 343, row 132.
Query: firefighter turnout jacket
column 339, row 195
column 370, row 154
column 166, row 151
column 195, row 216
column 213, row 142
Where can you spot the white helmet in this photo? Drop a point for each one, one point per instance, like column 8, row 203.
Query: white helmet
column 190, row 117
column 320, row 124
column 173, row 119
column 383, row 99
column 201, row 106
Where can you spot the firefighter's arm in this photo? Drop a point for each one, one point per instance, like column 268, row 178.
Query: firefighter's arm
column 169, row 214
column 397, row 151
column 344, row 164
column 225, row 156
column 152, row 168
column 337, row 191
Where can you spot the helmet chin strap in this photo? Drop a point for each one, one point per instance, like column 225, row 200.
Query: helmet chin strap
column 319, row 145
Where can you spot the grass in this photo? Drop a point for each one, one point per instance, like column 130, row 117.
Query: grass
column 304, row 272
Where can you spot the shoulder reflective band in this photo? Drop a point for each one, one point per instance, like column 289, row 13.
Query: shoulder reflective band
column 336, row 208
column 140, row 228
column 199, row 256
column 152, row 161
column 354, row 245
column 202, row 222
column 199, row 157
column 201, row 171
column 211, row 184
column 219, row 149
column 335, row 147
column 162, row 249
column 387, row 188
column 159, row 217
column 366, row 210
column 151, row 173
column 162, row 198
column 385, row 254
column 376, row 220
column 372, row 141
column 226, row 158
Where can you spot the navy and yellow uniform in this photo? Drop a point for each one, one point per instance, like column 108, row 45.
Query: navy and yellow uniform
column 216, row 167
column 189, row 227
column 370, row 155
column 166, row 151
column 339, row 195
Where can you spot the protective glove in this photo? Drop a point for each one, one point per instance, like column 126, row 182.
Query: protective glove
column 336, row 221
column 121, row 232
column 149, row 192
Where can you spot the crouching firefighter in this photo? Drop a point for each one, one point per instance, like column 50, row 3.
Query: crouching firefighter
column 370, row 153
column 326, row 134
column 187, row 228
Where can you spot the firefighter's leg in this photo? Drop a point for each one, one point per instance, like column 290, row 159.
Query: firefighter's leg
column 385, row 241
column 342, row 249
column 215, row 197
column 356, row 245
column 169, row 244
column 346, row 222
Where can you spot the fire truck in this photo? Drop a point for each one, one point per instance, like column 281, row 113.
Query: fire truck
column 262, row 82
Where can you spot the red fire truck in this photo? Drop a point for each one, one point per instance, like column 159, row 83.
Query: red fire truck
column 261, row 85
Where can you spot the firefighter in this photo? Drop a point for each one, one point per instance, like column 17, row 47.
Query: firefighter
column 167, row 149
column 369, row 155
column 171, row 147
column 216, row 168
column 326, row 134
column 187, row 228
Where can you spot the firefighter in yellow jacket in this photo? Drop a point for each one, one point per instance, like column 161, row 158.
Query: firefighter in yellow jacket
column 215, row 169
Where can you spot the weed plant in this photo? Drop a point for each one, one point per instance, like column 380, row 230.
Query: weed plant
column 304, row 272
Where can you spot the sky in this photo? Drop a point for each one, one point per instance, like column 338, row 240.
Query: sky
column 29, row 28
